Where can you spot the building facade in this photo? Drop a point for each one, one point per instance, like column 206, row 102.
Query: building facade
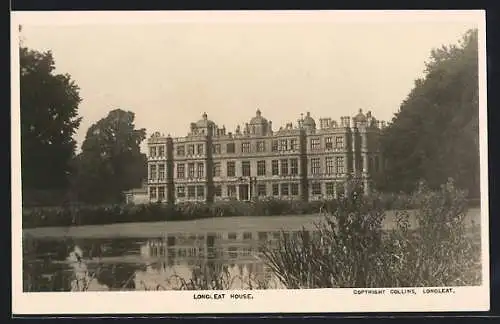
column 304, row 161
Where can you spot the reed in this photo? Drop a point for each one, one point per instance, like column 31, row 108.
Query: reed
column 350, row 248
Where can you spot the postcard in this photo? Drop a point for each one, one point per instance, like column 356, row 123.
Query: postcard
column 249, row 162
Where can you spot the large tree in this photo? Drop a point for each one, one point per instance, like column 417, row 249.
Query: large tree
column 111, row 161
column 435, row 134
column 49, row 119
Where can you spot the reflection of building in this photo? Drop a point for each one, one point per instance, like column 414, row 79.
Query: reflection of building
column 227, row 247
column 180, row 253
column 302, row 161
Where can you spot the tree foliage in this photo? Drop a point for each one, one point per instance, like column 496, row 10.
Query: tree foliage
column 110, row 161
column 49, row 119
column 435, row 134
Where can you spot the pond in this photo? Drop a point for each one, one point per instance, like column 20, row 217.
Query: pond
column 208, row 254
column 232, row 260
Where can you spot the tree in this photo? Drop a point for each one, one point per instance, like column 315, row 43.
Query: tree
column 435, row 134
column 49, row 119
column 111, row 161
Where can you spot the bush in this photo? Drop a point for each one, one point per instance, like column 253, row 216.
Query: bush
column 109, row 214
column 351, row 249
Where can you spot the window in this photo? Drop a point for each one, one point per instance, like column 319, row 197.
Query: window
column 315, row 166
column 377, row 164
column 190, row 170
column 181, row 150
column 152, row 172
column 294, row 166
column 231, row 191
column 230, row 148
column 284, row 189
column 261, row 190
column 190, row 149
column 152, row 151
column 339, row 164
column 330, row 168
column 245, row 147
column 275, row 167
column 216, row 149
column 152, row 193
column 245, row 168
column 328, row 143
column 218, row 191
column 231, row 236
column 283, row 145
column 316, row 188
column 181, row 192
column 200, row 191
column 201, row 169
column 199, row 149
column 161, row 193
column 161, row 171
column 330, row 188
column 191, row 191
column 315, row 144
column 274, row 146
column 339, row 141
column 261, row 168
column 181, row 171
column 284, row 167
column 231, row 169
column 233, row 252
column 261, row 146
column 247, row 235
column 295, row 189
column 293, row 144
column 217, row 169
column 161, row 151
column 276, row 191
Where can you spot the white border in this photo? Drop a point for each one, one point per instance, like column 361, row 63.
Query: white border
column 304, row 301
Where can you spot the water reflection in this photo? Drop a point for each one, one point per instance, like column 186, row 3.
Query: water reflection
column 193, row 261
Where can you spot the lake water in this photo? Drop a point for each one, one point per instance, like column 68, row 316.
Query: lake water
column 211, row 258
column 173, row 261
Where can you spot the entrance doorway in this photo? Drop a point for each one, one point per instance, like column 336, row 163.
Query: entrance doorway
column 244, row 192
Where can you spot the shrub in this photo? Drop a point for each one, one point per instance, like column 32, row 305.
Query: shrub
column 351, row 249
column 341, row 253
column 108, row 214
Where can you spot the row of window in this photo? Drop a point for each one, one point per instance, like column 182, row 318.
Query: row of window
column 278, row 167
column 157, row 151
column 283, row 167
column 281, row 189
column 157, row 193
column 181, row 170
column 290, row 144
column 157, row 172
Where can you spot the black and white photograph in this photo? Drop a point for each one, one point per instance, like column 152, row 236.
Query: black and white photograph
column 334, row 161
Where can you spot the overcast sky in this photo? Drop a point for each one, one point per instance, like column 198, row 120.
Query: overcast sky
column 170, row 73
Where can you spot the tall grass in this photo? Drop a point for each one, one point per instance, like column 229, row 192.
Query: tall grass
column 351, row 249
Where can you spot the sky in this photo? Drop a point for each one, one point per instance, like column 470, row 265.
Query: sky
column 169, row 73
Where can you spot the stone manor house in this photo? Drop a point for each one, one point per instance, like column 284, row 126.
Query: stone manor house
column 305, row 161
